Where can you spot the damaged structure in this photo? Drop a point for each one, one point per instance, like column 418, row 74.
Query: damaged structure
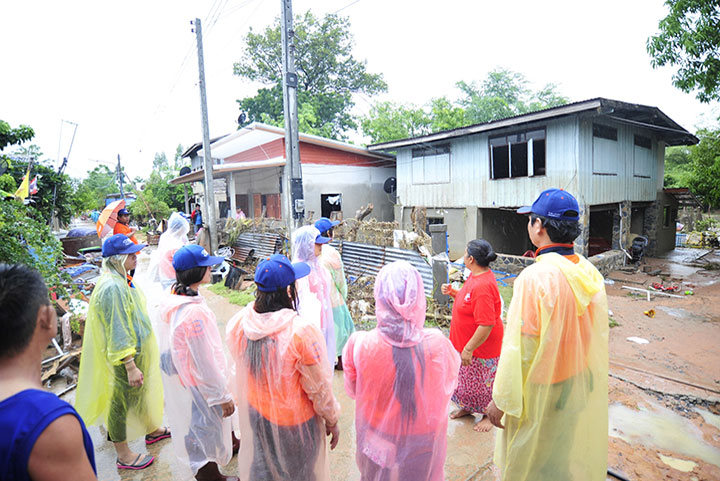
column 338, row 178
column 609, row 154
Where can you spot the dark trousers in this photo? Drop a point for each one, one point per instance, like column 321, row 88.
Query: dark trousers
column 202, row 426
column 297, row 446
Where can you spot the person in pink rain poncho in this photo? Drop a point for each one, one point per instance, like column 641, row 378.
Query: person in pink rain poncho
column 282, row 383
column 161, row 268
column 315, row 289
column 194, row 371
column 401, row 377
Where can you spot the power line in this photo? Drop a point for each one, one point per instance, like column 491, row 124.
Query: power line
column 346, row 6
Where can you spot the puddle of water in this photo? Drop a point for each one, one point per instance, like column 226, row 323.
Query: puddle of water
column 710, row 418
column 679, row 464
column 661, row 428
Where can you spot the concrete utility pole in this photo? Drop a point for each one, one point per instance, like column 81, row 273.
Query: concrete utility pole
column 209, row 212
column 120, row 178
column 293, row 198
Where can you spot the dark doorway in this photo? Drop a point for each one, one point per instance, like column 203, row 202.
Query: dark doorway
column 330, row 203
column 601, row 231
column 505, row 231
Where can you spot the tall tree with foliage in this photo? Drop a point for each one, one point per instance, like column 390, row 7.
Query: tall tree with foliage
column 705, row 167
column 90, row 193
column 502, row 94
column 328, row 75
column 689, row 39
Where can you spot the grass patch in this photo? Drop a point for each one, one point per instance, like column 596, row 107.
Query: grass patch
column 612, row 322
column 240, row 298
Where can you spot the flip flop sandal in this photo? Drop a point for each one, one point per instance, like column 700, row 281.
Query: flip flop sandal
column 153, row 439
column 139, row 463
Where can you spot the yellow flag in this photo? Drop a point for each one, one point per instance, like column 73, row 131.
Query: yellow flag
column 22, row 191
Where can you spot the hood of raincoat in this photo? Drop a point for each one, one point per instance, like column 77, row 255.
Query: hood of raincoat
column 400, row 304
column 170, row 303
column 585, row 281
column 176, row 233
column 257, row 326
column 303, row 241
column 115, row 264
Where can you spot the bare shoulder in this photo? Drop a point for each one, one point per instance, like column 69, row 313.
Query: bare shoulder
column 60, row 450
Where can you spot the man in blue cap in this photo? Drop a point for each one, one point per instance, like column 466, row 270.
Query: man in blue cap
column 551, row 381
column 332, row 261
column 122, row 225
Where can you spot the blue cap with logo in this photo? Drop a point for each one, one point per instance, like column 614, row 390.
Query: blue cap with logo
column 193, row 255
column 324, row 224
column 123, row 212
column 277, row 272
column 555, row 204
column 120, row 244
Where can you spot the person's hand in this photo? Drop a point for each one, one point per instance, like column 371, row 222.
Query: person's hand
column 227, row 408
column 135, row 376
column 333, row 431
column 446, row 289
column 466, row 357
column 494, row 415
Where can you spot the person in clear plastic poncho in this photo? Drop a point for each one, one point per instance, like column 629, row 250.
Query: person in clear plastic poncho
column 401, row 377
column 551, row 381
column 330, row 258
column 282, row 383
column 161, row 268
column 314, row 290
column 119, row 382
column 194, row 370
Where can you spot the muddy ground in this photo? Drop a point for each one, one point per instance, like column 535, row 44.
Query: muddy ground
column 664, row 396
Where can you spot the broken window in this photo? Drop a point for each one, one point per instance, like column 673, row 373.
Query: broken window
column 330, row 203
column 520, row 154
column 431, row 164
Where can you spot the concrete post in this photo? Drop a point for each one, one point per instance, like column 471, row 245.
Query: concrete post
column 438, row 234
column 231, row 194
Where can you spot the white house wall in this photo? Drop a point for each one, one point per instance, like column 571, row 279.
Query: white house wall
column 358, row 186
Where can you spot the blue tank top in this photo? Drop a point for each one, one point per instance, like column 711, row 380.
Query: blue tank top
column 23, row 417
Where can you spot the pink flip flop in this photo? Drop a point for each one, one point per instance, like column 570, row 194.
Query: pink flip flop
column 153, row 439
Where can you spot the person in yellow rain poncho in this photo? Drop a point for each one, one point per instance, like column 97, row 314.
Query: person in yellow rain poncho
column 330, row 258
column 551, row 381
column 119, row 383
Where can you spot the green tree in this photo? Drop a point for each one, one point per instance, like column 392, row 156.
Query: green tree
column 677, row 167
column 90, row 193
column 160, row 162
column 503, row 94
column 689, row 39
column 705, row 167
column 10, row 136
column 149, row 205
column 179, row 161
column 48, row 182
column 445, row 115
column 328, row 75
column 391, row 121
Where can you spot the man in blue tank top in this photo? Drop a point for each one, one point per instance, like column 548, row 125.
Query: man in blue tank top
column 43, row 438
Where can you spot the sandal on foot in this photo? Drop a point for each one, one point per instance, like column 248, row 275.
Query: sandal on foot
column 141, row 462
column 149, row 439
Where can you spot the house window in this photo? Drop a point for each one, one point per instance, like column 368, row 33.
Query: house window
column 643, row 160
column 433, row 221
column 431, row 165
column 330, row 203
column 518, row 155
column 606, row 157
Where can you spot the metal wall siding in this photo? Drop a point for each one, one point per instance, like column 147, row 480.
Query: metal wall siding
column 367, row 260
column 264, row 244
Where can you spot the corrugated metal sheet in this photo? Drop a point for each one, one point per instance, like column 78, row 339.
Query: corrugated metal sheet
column 264, row 244
column 367, row 260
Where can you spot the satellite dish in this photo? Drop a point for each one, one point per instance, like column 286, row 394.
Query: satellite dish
column 390, row 185
column 185, row 170
column 3, row 165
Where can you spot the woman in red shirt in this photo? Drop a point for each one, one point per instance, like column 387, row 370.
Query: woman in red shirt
column 476, row 331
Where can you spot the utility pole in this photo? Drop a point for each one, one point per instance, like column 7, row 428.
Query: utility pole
column 120, row 178
column 293, row 198
column 207, row 164
column 61, row 169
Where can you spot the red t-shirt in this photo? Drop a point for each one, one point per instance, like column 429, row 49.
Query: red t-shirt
column 478, row 304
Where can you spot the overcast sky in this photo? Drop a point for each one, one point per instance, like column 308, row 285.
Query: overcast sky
column 126, row 72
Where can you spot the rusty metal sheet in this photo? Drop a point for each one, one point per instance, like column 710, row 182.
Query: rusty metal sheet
column 264, row 244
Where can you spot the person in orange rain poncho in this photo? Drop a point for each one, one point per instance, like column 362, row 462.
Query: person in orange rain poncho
column 315, row 289
column 401, row 377
column 192, row 360
column 282, row 383
column 551, row 381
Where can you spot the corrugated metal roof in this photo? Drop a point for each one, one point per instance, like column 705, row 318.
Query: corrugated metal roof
column 367, row 260
column 264, row 244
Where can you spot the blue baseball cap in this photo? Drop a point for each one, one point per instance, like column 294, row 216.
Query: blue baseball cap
column 324, row 224
column 554, row 204
column 193, row 255
column 120, row 244
column 123, row 212
column 277, row 272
